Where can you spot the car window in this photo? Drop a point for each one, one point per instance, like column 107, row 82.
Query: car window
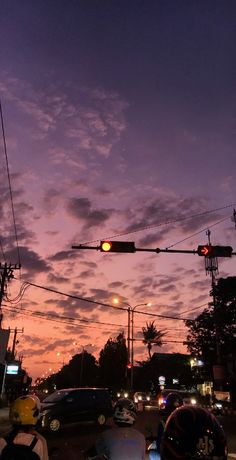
column 102, row 396
column 84, row 398
column 56, row 396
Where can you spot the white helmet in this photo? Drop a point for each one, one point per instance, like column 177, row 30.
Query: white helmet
column 124, row 412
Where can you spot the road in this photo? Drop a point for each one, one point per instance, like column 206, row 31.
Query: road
column 73, row 439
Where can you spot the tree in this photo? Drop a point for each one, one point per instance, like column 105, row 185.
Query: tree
column 112, row 363
column 81, row 371
column 221, row 316
column 152, row 336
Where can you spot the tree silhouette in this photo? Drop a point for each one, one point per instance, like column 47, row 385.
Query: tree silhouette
column 112, row 363
column 152, row 336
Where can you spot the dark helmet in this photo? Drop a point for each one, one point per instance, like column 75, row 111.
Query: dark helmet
column 173, row 400
column 193, row 433
column 124, row 412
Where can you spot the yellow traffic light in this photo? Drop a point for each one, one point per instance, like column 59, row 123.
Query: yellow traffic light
column 117, row 246
column 106, row 246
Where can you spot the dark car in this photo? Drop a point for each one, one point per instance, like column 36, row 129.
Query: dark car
column 188, row 397
column 142, row 397
column 75, row 405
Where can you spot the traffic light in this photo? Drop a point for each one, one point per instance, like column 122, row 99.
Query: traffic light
column 129, row 365
column 117, row 246
column 214, row 251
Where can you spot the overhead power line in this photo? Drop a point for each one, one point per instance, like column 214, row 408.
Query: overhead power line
column 9, row 183
column 197, row 233
column 162, row 224
column 61, row 319
column 106, row 304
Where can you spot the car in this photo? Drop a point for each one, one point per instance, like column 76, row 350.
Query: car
column 123, row 394
column 188, row 397
column 142, row 397
column 75, row 405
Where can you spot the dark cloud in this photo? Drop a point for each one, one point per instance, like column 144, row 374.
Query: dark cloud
column 51, row 200
column 81, row 208
column 166, row 213
column 53, row 278
column 31, row 262
column 65, row 255
column 117, row 284
column 86, row 274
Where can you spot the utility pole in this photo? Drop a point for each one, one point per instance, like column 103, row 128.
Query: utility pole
column 6, row 275
column 211, row 266
column 16, row 331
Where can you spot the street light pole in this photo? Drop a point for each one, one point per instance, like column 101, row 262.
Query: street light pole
column 132, row 340
column 130, row 337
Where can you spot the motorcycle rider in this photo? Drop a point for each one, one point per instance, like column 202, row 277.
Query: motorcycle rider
column 123, row 441
column 23, row 415
column 173, row 401
column 193, row 433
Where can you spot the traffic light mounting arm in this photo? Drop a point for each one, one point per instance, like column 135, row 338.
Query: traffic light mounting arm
column 129, row 247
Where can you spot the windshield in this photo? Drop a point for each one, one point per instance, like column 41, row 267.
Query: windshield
column 57, row 396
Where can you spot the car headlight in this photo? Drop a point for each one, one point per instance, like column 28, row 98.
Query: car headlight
column 126, row 395
column 193, row 401
column 219, row 406
column 148, row 398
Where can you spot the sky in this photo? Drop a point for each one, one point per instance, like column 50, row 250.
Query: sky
column 119, row 119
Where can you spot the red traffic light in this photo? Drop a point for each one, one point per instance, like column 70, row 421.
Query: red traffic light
column 204, row 250
column 214, row 251
column 117, row 246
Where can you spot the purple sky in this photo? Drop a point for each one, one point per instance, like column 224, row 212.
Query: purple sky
column 119, row 118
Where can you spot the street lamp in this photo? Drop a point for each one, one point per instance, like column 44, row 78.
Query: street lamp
column 130, row 338
column 148, row 304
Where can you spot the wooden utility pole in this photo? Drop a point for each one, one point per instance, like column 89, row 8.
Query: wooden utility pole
column 5, row 276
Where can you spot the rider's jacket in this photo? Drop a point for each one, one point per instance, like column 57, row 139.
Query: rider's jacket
column 124, row 443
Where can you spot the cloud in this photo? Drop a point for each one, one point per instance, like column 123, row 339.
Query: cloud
column 31, row 262
column 81, row 209
column 63, row 256
column 92, row 121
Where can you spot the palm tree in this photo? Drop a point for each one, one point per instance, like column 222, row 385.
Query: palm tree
column 152, row 336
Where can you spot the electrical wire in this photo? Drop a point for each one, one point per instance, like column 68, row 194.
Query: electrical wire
column 107, row 305
column 9, row 182
column 197, row 233
column 63, row 319
column 195, row 308
column 168, row 222
column 19, row 297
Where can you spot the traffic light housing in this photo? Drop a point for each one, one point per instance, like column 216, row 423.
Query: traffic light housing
column 214, row 251
column 117, row 246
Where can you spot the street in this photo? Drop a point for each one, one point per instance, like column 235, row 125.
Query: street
column 76, row 438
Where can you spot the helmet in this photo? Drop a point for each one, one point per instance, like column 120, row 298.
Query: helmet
column 124, row 412
column 173, row 400
column 193, row 433
column 37, row 400
column 24, row 411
